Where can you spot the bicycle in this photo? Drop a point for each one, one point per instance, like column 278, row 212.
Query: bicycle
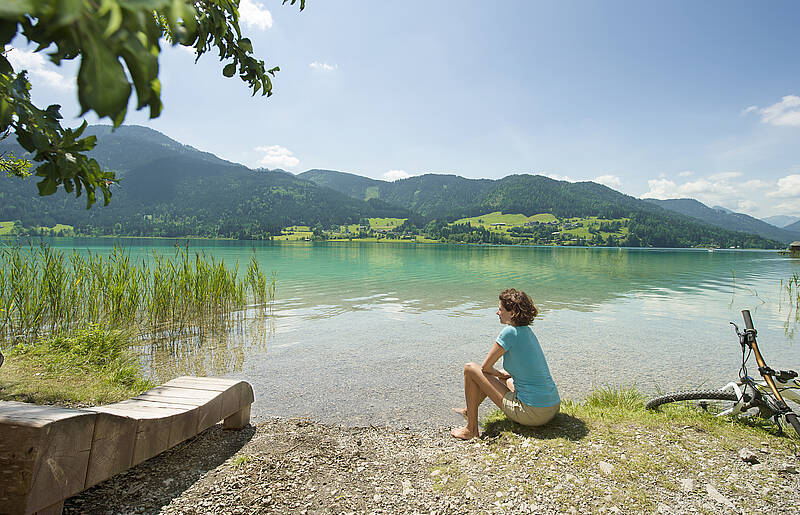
column 767, row 395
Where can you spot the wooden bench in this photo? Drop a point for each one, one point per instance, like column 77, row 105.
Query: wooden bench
column 48, row 453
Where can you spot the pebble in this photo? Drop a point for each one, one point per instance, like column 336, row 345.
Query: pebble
column 715, row 495
column 748, row 456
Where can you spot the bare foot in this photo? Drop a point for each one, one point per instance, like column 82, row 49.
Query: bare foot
column 462, row 433
column 461, row 411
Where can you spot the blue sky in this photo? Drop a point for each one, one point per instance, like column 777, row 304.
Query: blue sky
column 661, row 99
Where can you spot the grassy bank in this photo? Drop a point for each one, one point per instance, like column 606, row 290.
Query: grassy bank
column 610, row 453
column 92, row 366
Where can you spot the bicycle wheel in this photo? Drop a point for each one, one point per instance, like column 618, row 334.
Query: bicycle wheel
column 712, row 401
column 791, row 418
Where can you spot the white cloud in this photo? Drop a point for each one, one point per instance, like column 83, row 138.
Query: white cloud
column 557, row 177
column 748, row 110
column 277, row 156
column 709, row 192
column 756, row 184
column 723, row 189
column 661, row 189
column 40, row 71
column 783, row 113
column 612, row 181
column 324, row 67
column 395, row 175
column 747, row 205
column 722, row 176
column 253, row 14
column 786, row 208
column 788, row 187
column 687, row 173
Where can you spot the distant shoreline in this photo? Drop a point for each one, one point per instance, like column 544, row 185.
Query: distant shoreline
column 371, row 240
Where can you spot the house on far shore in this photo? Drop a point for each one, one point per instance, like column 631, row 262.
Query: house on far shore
column 498, row 224
column 793, row 250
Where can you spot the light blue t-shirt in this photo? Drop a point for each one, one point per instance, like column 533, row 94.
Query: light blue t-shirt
column 524, row 360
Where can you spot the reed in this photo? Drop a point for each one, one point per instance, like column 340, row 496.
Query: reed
column 45, row 292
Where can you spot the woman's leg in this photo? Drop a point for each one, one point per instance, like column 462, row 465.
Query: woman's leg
column 478, row 386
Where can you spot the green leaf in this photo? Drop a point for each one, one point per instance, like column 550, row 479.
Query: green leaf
column 67, row 11
column 47, row 186
column 143, row 67
column 229, row 70
column 246, row 45
column 15, row 8
column 8, row 29
column 5, row 114
column 5, row 66
column 102, row 84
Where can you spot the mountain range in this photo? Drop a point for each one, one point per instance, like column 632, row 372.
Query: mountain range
column 171, row 189
column 728, row 219
column 781, row 220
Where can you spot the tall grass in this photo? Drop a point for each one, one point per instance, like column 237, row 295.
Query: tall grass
column 790, row 290
column 46, row 292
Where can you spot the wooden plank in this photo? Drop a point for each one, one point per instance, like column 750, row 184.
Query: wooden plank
column 236, row 398
column 202, row 384
column 112, row 447
column 192, row 394
column 188, row 402
column 141, row 412
column 19, row 449
column 33, row 415
column 183, row 427
column 209, row 414
column 207, row 380
column 62, row 461
column 152, row 438
column 157, row 404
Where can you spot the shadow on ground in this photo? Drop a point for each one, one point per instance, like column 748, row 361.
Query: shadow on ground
column 153, row 484
column 562, row 426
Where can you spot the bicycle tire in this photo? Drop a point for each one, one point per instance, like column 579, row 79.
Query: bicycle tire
column 692, row 395
column 791, row 418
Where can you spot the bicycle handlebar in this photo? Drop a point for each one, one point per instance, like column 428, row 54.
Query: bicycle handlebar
column 748, row 321
column 763, row 369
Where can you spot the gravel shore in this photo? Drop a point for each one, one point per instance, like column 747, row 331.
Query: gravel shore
column 574, row 465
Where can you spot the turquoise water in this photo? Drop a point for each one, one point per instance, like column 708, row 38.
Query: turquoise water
column 366, row 333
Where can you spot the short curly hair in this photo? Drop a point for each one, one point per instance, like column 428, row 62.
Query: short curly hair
column 522, row 309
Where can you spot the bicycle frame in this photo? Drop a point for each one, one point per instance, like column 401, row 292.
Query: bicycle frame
column 789, row 389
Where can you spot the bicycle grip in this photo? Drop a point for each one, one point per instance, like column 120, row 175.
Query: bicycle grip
column 748, row 322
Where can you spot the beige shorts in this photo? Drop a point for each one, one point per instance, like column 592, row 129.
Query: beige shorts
column 526, row 415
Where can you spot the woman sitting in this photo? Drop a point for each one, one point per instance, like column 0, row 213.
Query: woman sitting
column 525, row 391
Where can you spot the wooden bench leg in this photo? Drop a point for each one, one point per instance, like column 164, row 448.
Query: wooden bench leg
column 53, row 509
column 238, row 420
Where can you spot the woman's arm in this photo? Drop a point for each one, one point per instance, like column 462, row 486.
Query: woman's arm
column 488, row 362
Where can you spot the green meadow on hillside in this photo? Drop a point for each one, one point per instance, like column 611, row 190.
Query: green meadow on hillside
column 510, row 220
column 7, row 229
column 295, row 233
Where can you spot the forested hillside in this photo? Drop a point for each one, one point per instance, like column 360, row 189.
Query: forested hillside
column 446, row 198
column 169, row 189
column 726, row 219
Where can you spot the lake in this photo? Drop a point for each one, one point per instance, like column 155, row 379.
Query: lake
column 366, row 333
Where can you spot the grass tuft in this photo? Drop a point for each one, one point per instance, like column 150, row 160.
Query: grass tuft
column 91, row 366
